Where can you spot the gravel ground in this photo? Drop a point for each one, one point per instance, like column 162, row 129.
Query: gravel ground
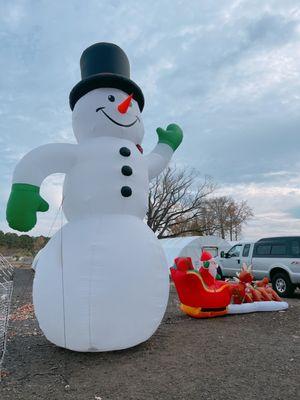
column 254, row 356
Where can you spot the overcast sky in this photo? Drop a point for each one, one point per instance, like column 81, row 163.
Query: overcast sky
column 227, row 71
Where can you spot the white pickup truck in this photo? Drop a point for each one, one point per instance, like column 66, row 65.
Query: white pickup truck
column 277, row 258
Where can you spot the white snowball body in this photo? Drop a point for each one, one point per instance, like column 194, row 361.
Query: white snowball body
column 108, row 287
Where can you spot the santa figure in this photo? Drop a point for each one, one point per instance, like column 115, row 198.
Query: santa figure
column 210, row 271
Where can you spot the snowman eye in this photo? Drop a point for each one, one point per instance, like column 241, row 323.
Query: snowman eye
column 111, row 98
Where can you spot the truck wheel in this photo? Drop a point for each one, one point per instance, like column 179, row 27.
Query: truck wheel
column 282, row 284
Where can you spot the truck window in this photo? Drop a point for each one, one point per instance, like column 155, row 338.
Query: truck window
column 235, row 251
column 295, row 248
column 263, row 250
column 246, row 250
column 279, row 249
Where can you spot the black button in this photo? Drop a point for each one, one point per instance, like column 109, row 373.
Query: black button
column 125, row 152
column 126, row 191
column 126, row 170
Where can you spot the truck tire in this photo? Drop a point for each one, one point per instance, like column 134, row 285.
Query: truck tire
column 282, row 284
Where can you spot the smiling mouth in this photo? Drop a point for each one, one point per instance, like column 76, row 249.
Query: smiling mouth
column 116, row 122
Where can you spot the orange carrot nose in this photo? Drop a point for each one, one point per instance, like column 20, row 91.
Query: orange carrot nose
column 123, row 107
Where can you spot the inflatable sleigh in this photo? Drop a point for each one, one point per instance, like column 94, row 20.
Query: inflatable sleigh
column 198, row 298
column 201, row 295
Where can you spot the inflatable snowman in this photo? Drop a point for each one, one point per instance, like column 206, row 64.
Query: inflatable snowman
column 102, row 280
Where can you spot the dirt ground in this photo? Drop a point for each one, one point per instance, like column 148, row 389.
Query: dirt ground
column 254, row 356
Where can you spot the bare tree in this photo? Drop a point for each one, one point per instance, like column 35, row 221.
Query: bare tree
column 229, row 215
column 217, row 208
column 238, row 215
column 175, row 200
column 180, row 204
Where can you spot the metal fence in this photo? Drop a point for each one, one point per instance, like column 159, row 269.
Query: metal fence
column 6, row 288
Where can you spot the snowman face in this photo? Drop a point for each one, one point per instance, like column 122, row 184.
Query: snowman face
column 96, row 114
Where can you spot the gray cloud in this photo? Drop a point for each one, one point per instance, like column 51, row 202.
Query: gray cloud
column 295, row 212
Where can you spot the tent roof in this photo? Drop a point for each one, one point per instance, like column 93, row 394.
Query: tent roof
column 190, row 246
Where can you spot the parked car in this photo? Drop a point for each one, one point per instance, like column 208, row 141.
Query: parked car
column 278, row 258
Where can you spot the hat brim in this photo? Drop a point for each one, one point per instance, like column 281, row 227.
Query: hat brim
column 106, row 80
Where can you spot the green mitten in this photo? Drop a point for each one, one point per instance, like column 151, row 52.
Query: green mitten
column 22, row 206
column 172, row 136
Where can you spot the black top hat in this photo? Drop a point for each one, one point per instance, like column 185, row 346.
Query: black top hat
column 105, row 65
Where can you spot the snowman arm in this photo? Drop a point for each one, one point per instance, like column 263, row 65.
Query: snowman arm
column 158, row 159
column 45, row 160
column 25, row 200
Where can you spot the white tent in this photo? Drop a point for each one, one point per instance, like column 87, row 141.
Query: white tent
column 192, row 246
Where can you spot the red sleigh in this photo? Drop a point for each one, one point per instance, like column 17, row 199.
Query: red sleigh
column 201, row 295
